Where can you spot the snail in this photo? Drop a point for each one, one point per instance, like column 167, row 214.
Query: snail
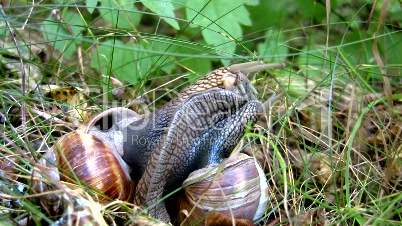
column 196, row 130
column 92, row 155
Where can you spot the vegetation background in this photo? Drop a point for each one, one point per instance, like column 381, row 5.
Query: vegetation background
column 334, row 153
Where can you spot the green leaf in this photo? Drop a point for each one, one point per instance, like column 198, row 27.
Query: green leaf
column 252, row 2
column 74, row 21
column 189, row 54
column 355, row 49
column 199, row 65
column 178, row 4
column 161, row 58
column 91, row 4
column 128, row 62
column 59, row 34
column 272, row 49
column 219, row 17
column 310, row 9
column 277, row 10
column 120, row 13
column 164, row 9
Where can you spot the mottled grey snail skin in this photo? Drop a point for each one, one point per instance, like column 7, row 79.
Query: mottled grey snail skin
column 200, row 127
column 194, row 143
column 143, row 136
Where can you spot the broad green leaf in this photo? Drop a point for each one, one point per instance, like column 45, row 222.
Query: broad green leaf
column 195, row 63
column 161, row 58
column 128, row 62
column 277, row 10
column 120, row 13
column 58, row 34
column 91, row 4
column 394, row 7
column 272, row 49
column 164, row 9
column 190, row 54
column 363, row 50
column 252, row 2
column 310, row 9
column 219, row 17
column 178, row 4
column 74, row 21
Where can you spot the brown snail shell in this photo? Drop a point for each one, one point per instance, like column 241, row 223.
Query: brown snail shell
column 239, row 190
column 86, row 158
column 92, row 155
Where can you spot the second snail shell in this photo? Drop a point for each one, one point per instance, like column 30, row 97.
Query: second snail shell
column 238, row 190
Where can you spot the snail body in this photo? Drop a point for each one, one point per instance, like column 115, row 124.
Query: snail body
column 204, row 129
column 144, row 135
column 199, row 142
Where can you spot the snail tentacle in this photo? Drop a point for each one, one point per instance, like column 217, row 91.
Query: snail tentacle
column 255, row 66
